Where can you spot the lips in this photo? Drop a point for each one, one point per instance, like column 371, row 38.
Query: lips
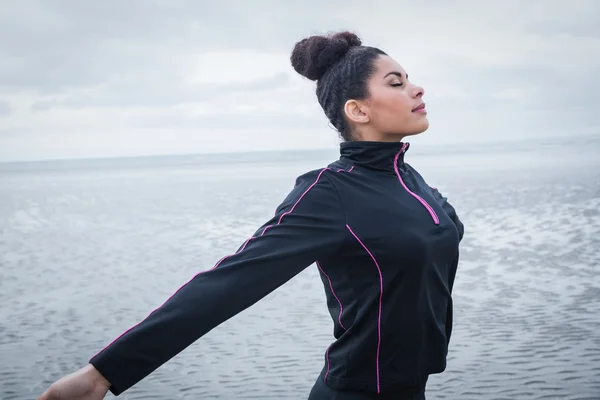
column 420, row 107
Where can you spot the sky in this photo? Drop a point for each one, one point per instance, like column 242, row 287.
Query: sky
column 82, row 79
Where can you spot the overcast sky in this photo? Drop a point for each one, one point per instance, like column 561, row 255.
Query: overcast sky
column 83, row 78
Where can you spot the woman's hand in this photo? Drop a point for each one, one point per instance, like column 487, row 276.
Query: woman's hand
column 87, row 383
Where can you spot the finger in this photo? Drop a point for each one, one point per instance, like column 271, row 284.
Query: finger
column 47, row 395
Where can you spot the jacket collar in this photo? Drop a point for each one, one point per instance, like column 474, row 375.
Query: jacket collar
column 374, row 155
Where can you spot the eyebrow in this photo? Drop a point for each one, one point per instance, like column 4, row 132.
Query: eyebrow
column 398, row 74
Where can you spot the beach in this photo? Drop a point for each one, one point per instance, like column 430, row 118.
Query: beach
column 89, row 247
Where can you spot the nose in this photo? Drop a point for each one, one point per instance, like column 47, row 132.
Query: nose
column 418, row 91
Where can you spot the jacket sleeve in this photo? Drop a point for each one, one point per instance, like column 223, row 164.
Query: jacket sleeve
column 308, row 225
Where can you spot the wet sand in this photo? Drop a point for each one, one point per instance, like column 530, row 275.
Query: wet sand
column 86, row 253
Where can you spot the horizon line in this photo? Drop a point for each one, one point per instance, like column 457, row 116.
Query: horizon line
column 496, row 141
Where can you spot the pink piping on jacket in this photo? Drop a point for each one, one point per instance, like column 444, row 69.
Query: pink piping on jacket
column 380, row 302
column 436, row 220
column 226, row 257
column 334, row 295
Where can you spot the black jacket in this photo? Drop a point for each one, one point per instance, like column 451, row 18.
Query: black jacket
column 386, row 245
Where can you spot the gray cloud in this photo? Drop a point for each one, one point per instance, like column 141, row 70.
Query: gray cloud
column 106, row 69
column 4, row 108
column 68, row 43
column 542, row 86
column 232, row 121
column 144, row 92
column 584, row 25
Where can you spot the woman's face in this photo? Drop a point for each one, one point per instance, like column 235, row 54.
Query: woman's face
column 395, row 107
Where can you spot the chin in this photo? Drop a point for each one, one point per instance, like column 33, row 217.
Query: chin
column 414, row 129
column 422, row 127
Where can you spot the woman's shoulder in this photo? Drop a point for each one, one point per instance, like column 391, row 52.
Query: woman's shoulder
column 322, row 174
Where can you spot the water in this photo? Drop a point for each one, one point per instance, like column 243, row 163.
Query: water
column 87, row 248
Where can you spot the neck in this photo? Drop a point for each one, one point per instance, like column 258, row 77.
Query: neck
column 373, row 136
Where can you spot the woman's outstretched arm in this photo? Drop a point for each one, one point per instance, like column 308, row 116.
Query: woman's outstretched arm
column 308, row 225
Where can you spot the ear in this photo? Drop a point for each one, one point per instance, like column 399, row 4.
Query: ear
column 356, row 112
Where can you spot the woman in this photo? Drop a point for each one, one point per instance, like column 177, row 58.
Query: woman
column 385, row 243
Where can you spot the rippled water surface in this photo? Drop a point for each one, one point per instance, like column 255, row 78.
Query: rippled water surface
column 89, row 248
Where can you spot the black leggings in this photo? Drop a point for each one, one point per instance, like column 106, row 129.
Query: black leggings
column 321, row 391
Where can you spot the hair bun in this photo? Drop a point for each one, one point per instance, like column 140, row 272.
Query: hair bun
column 313, row 56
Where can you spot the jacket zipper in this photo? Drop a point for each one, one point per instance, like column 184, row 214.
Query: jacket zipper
column 436, row 220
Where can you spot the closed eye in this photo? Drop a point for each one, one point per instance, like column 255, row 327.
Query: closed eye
column 397, row 84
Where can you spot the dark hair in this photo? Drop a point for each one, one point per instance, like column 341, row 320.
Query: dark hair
column 341, row 66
